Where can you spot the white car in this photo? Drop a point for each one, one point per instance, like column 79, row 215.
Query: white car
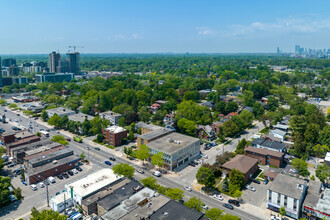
column 251, row 188
column 219, row 197
column 33, row 187
column 42, row 185
column 188, row 188
column 205, row 156
column 205, row 207
column 75, row 171
column 294, row 171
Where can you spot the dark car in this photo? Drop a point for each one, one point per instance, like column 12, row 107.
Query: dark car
column 234, row 202
column 133, row 146
column 112, row 158
column 107, row 162
column 60, row 176
column 97, row 148
column 57, row 193
column 256, row 181
column 65, row 175
column 228, row 206
column 46, row 182
column 79, row 169
column 18, row 114
column 5, row 110
column 192, row 164
column 48, row 130
column 68, row 139
column 265, row 181
column 70, row 173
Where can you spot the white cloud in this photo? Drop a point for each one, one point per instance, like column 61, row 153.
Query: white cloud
column 300, row 24
column 204, row 31
column 133, row 36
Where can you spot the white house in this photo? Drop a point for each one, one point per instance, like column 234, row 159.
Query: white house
column 278, row 133
column 57, row 202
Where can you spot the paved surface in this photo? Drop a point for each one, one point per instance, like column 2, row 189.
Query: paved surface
column 38, row 198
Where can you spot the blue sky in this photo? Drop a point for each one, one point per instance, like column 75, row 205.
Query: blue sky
column 152, row 26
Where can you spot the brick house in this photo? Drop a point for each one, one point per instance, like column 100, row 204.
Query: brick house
column 247, row 165
column 265, row 156
column 114, row 135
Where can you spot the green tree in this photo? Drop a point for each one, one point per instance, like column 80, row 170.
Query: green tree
column 121, row 122
column 60, row 139
column 301, row 166
column 237, row 178
column 157, row 159
column 231, row 107
column 3, row 102
column 38, row 134
column 220, row 107
column 237, row 194
column 100, row 138
column 247, row 98
column 124, row 169
column 282, row 211
column 205, row 176
column 143, row 153
column 272, row 104
column 258, row 110
column 194, row 203
column 175, row 193
column 299, row 145
column 44, row 115
column 55, row 121
column 4, row 191
column 82, row 156
column 312, row 133
column 323, row 172
column 298, row 123
column 247, row 117
column 64, row 121
column 241, row 146
column 230, row 129
column 324, row 138
column 214, row 214
column 86, row 126
column 225, row 185
column 187, row 126
column 320, row 150
column 46, row 214
column 18, row 193
column 12, row 105
column 150, row 182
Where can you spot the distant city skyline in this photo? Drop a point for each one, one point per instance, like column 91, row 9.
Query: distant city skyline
column 38, row 27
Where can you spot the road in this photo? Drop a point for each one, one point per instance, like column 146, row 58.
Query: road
column 97, row 158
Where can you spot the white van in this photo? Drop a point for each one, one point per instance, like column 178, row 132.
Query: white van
column 51, row 179
column 156, row 173
column 33, row 187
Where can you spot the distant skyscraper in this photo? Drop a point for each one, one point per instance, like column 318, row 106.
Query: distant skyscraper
column 278, row 50
column 73, row 59
column 297, row 49
column 53, row 61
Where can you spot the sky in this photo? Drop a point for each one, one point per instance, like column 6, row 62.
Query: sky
column 157, row 26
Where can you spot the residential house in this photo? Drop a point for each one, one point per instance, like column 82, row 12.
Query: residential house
column 278, row 133
column 268, row 144
column 215, row 127
column 206, row 132
column 169, row 121
column 270, row 175
column 265, row 156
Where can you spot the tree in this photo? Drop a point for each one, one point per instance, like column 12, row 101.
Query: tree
column 12, row 105
column 225, row 185
column 247, row 117
column 187, row 126
column 301, row 166
column 282, row 211
column 82, row 156
column 3, row 102
column 55, row 121
column 237, row 178
column 323, row 172
column 214, row 214
column 157, row 159
column 298, row 123
column 143, row 153
column 64, row 121
column 44, row 115
column 194, row 203
column 46, row 214
column 205, row 176
column 100, row 138
column 237, row 194
column 312, row 133
column 86, row 126
column 130, row 136
column 258, row 110
column 150, row 182
column 230, row 128
column 220, row 107
column 121, row 122
column 18, row 193
column 247, row 98
column 4, row 191
column 60, row 139
column 38, row 134
column 241, row 146
column 124, row 169
column 272, row 104
column 231, row 107
column 324, row 138
column 299, row 144
column 223, row 158
column 175, row 193
column 320, row 150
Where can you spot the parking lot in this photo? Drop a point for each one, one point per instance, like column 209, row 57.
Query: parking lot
column 257, row 198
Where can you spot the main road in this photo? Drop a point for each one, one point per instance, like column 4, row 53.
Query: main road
column 98, row 157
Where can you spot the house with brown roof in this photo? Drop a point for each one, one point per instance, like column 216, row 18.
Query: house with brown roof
column 265, row 156
column 247, row 165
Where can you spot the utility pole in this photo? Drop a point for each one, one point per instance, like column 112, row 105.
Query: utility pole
column 64, row 204
column 47, row 194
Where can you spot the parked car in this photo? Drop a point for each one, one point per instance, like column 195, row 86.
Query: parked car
column 156, row 173
column 48, row 130
column 192, row 163
column 266, row 181
column 256, row 181
column 12, row 198
column 33, row 187
column 42, row 185
column 68, row 139
column 107, row 162
column 294, row 171
column 24, row 182
column 205, row 207
column 60, row 176
column 65, row 175
column 79, row 169
column 234, row 202
column 75, row 171
column 46, row 182
column 97, row 148
column 70, row 173
column 51, row 179
column 57, row 193
column 112, row 158
column 219, row 197
column 140, row 171
column 228, row 206
column 250, row 188
column 188, row 188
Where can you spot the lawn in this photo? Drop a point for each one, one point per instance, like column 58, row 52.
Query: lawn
column 265, row 130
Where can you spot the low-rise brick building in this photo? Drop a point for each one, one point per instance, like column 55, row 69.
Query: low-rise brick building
column 114, row 135
column 265, row 156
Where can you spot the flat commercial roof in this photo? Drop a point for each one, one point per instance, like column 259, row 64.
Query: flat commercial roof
column 115, row 129
column 93, row 182
column 51, row 156
column 324, row 202
column 174, row 210
column 313, row 194
column 24, row 141
column 80, row 117
column 154, row 134
column 60, row 197
column 172, row 143
column 287, row 185
column 42, row 151
column 60, row 110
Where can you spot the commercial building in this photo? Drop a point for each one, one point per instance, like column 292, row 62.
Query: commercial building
column 8, row 62
column 60, row 202
column 114, row 135
column 145, row 128
column 288, row 192
column 327, row 159
column 265, row 156
column 324, row 106
column 15, row 139
column 92, row 184
column 268, row 144
column 247, row 165
column 54, row 77
column 20, row 80
column 25, row 98
column 60, row 111
column 112, row 117
column 152, row 135
column 178, row 150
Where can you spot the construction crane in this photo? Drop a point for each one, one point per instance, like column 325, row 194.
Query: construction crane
column 74, row 48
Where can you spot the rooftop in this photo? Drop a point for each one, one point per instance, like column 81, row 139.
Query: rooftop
column 60, row 110
column 43, row 150
column 154, row 134
column 23, row 134
column 174, row 210
column 172, row 143
column 93, row 182
column 324, row 103
column 280, row 126
column 278, row 131
column 324, row 202
column 147, row 126
column 60, row 197
column 313, row 194
column 35, row 145
column 270, row 174
column 119, row 195
column 115, row 129
column 80, row 117
column 24, row 141
column 241, row 162
column 264, row 151
column 266, row 143
column 51, row 156
column 287, row 185
column 110, row 113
